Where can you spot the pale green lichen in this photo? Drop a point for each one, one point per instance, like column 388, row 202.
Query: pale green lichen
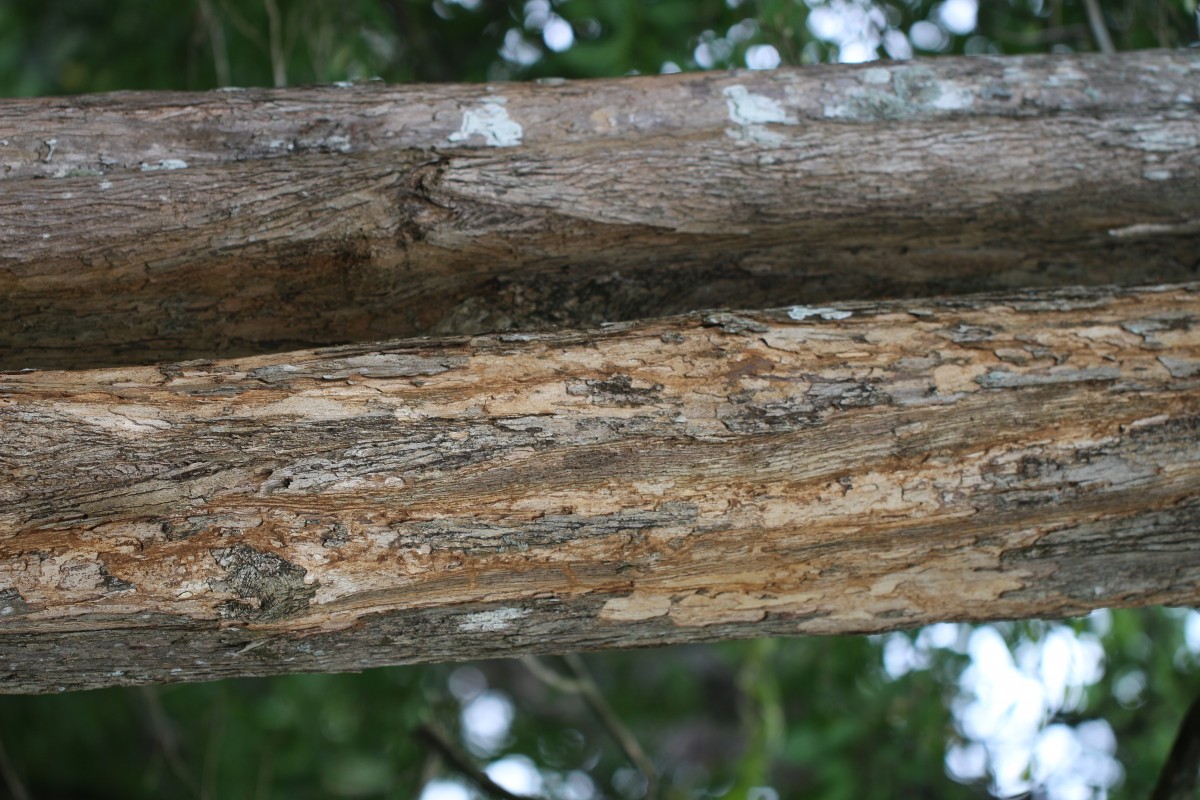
column 913, row 90
column 752, row 113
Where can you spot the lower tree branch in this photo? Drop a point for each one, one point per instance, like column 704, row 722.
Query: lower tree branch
column 845, row 469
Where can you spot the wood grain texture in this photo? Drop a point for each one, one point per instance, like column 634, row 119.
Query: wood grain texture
column 152, row 227
column 854, row 468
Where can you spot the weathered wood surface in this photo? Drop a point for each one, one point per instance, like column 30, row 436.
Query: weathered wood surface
column 806, row 470
column 144, row 227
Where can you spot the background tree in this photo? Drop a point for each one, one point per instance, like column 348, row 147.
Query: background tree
column 1077, row 709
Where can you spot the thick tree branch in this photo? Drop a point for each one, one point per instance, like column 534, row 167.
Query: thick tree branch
column 150, row 227
column 807, row 470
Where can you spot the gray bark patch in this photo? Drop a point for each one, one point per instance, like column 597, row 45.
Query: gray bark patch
column 616, row 391
column 270, row 588
column 12, row 604
column 372, row 365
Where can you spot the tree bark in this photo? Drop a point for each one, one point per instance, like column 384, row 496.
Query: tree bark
column 151, row 227
column 845, row 469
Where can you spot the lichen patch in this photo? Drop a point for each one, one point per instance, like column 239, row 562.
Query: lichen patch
column 491, row 621
column 491, row 121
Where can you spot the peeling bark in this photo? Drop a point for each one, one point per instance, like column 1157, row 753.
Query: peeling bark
column 855, row 468
column 152, row 227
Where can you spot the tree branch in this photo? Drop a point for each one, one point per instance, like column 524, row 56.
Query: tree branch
column 1095, row 15
column 238, row 223
column 16, row 786
column 814, row 469
column 436, row 738
column 585, row 686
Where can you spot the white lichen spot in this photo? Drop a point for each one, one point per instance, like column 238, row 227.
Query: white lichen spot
column 877, row 75
column 1157, row 174
column 166, row 163
column 490, row 621
column 1147, row 422
column 491, row 121
column 746, row 108
column 752, row 113
column 105, row 185
column 954, row 98
column 338, row 142
column 1066, row 74
column 1154, row 229
column 1171, row 138
column 804, row 312
column 343, row 84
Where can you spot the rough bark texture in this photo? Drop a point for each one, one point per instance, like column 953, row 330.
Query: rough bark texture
column 805, row 470
column 139, row 228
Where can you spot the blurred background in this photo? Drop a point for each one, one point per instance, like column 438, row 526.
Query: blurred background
column 75, row 46
column 1070, row 710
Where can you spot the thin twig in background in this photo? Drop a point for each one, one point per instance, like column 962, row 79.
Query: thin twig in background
column 274, row 25
column 585, row 686
column 438, row 740
column 623, row 736
column 266, row 772
column 168, row 744
column 1043, row 36
column 550, row 677
column 212, row 753
column 1177, row 780
column 1095, row 17
column 16, row 787
column 216, row 37
column 244, row 27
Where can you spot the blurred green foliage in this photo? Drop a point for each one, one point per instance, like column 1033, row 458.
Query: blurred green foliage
column 76, row 46
column 810, row 717
column 807, row 717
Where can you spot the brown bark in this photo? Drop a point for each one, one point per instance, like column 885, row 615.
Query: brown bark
column 146, row 227
column 806, row 470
